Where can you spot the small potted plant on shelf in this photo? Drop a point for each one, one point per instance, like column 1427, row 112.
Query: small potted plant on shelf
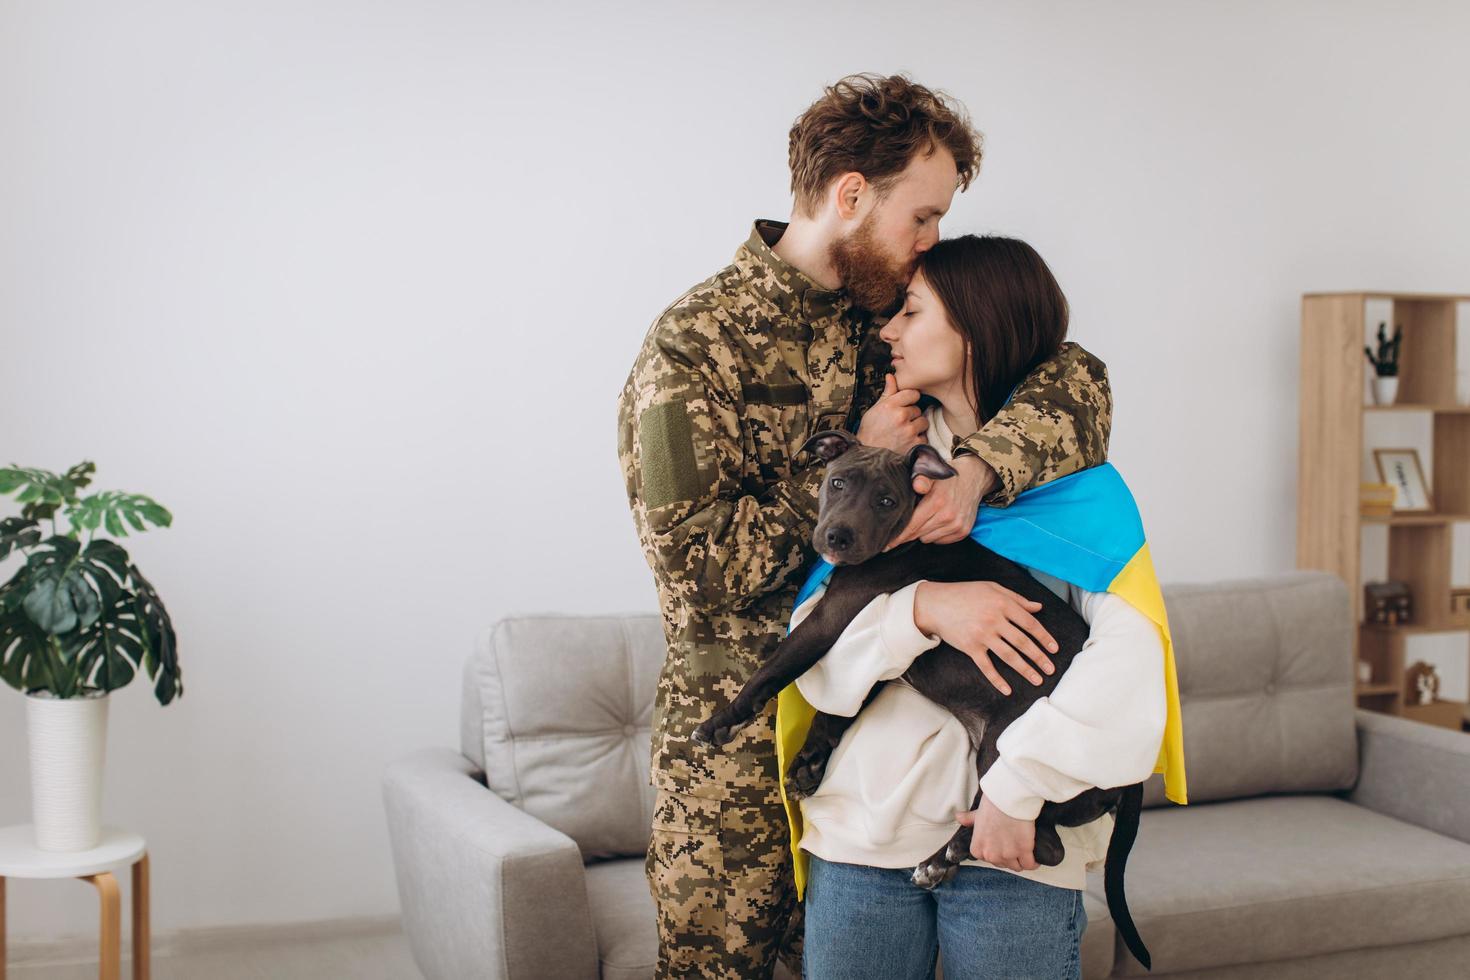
column 1385, row 365
column 77, row 621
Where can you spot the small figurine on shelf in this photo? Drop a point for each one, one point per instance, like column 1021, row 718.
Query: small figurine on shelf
column 1387, row 603
column 1423, row 683
column 1386, row 365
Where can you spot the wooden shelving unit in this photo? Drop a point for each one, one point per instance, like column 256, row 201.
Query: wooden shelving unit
column 1329, row 522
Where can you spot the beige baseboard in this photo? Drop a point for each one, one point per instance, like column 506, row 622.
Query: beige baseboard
column 70, row 951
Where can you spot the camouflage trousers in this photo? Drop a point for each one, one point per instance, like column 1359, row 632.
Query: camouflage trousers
column 721, row 878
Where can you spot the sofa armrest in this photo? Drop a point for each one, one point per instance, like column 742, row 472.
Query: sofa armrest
column 486, row 890
column 1414, row 772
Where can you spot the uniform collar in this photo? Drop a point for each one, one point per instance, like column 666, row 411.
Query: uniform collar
column 782, row 284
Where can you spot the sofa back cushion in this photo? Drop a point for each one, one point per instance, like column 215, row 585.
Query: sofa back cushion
column 1266, row 686
column 557, row 710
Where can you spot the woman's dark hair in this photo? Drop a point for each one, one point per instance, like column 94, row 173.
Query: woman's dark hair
column 1004, row 302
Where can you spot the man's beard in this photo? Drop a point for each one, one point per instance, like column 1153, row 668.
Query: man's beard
column 871, row 278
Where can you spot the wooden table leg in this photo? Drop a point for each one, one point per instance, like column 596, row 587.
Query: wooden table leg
column 109, row 966
column 142, row 958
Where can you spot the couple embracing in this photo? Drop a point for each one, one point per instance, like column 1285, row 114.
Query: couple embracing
column 855, row 315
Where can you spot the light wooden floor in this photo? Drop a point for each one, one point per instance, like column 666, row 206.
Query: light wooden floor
column 375, row 957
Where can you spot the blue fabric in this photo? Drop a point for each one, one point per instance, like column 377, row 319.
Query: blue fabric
column 1083, row 528
column 873, row 922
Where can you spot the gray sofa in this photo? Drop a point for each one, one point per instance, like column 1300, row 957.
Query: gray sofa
column 1320, row 840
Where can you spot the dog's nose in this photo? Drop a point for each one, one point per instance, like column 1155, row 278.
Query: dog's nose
column 838, row 539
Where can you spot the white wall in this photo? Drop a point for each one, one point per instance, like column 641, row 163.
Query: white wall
column 352, row 288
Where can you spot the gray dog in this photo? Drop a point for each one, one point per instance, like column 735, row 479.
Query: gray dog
column 866, row 498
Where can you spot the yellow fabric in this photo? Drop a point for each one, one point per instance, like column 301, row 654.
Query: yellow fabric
column 1136, row 584
column 1140, row 587
column 793, row 717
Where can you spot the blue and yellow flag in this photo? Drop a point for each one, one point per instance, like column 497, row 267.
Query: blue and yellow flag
column 1084, row 529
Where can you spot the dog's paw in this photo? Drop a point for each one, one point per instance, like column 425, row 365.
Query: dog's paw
column 804, row 779
column 1048, row 853
column 932, row 873
column 957, row 852
column 713, row 733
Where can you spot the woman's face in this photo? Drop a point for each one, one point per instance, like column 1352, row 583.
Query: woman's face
column 928, row 353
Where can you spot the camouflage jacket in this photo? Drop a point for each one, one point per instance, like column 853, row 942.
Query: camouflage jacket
column 730, row 382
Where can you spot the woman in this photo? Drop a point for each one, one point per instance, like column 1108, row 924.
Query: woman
column 980, row 313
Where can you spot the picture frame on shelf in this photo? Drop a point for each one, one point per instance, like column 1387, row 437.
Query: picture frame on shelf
column 1401, row 469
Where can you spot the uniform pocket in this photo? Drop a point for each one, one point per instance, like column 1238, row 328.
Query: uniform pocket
column 686, row 875
column 682, row 813
column 774, row 435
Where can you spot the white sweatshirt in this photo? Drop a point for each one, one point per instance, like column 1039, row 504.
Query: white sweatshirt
column 905, row 766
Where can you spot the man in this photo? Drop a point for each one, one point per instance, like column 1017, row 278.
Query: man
column 730, row 382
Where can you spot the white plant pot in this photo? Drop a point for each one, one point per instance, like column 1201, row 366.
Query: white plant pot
column 68, row 741
column 1385, row 390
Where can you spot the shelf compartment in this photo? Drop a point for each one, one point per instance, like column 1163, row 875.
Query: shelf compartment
column 1443, row 713
column 1427, row 353
column 1419, row 555
column 1451, row 472
column 1384, row 649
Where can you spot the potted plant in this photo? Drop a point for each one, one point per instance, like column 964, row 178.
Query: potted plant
column 1385, row 365
column 77, row 621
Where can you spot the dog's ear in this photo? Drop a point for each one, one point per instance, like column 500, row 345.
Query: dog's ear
column 829, row 444
column 924, row 460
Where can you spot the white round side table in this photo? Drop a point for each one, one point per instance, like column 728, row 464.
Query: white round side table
column 20, row 858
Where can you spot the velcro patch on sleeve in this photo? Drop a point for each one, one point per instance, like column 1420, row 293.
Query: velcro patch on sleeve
column 666, row 455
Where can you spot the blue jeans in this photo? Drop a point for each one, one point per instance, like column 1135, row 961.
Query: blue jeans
column 874, row 922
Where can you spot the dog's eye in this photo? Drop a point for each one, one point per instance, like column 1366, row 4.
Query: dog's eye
column 838, row 483
column 886, row 501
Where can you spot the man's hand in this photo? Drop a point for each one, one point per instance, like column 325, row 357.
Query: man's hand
column 894, row 422
column 981, row 618
column 1001, row 839
column 947, row 512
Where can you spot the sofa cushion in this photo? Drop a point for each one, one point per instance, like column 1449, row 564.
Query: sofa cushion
column 622, row 919
column 557, row 711
column 1098, row 939
column 1266, row 686
column 1251, row 881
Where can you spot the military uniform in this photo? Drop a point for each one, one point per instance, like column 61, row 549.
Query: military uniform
column 731, row 381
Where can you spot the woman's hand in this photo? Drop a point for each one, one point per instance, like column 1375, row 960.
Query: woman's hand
column 981, row 618
column 999, row 838
column 894, row 422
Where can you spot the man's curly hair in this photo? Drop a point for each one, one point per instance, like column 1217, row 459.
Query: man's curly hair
column 875, row 124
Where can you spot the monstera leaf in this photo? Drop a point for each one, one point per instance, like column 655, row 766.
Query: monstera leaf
column 43, row 491
column 111, row 507
column 17, row 532
column 25, row 649
column 58, row 598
